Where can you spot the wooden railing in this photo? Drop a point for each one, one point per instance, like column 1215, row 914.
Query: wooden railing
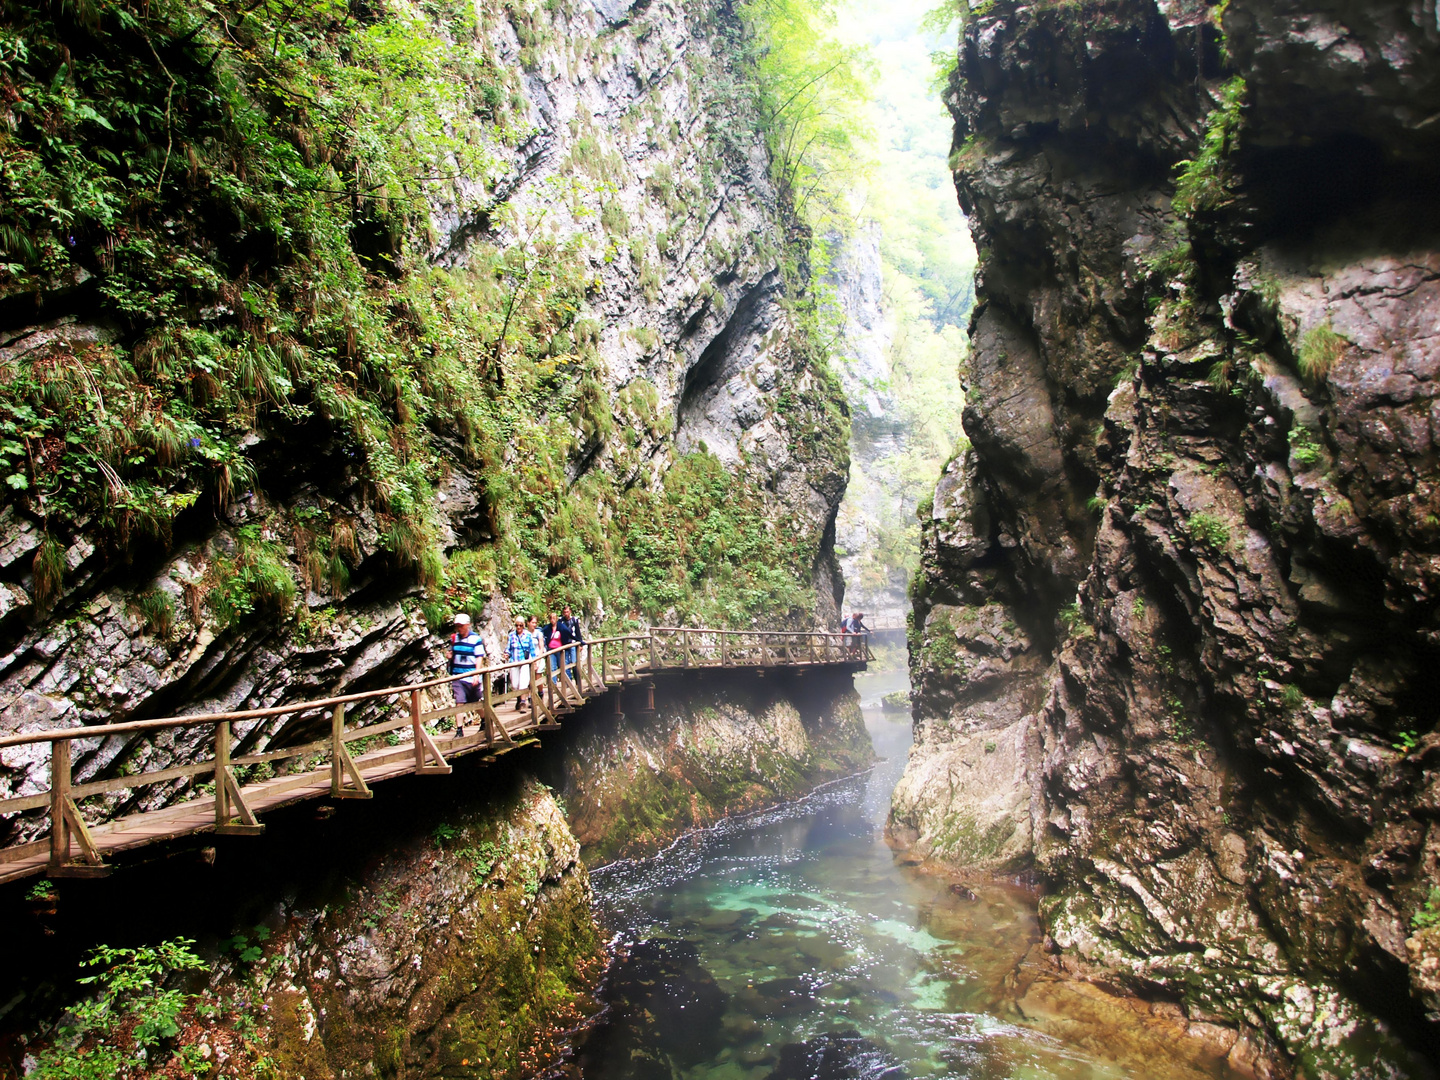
column 547, row 686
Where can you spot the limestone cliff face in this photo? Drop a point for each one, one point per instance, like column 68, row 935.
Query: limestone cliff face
column 713, row 746
column 640, row 164
column 1177, row 599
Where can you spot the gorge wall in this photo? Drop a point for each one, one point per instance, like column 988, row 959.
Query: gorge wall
column 1174, row 639
column 574, row 368
column 318, row 324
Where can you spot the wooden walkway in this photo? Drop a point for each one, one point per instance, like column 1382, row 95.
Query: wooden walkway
column 346, row 764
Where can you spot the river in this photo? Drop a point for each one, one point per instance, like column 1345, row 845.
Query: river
column 794, row 944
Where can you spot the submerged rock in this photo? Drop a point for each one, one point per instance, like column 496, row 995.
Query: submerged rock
column 836, row 1055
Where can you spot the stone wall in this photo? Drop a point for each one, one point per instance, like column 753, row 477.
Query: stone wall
column 1173, row 638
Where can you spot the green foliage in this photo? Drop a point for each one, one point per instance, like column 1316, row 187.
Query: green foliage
column 1320, row 348
column 129, row 1016
column 1429, row 913
column 156, row 609
column 232, row 177
column 255, row 580
column 809, row 89
column 1406, row 741
column 1204, row 182
column 1073, row 618
column 48, row 570
column 43, row 890
column 1209, row 530
column 1292, row 697
column 1304, row 449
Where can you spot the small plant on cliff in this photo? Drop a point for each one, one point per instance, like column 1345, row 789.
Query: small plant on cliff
column 1072, row 617
column 1204, row 181
column 1429, row 913
column 1304, row 450
column 48, row 568
column 1209, row 530
column 130, row 1014
column 255, row 581
column 1406, row 741
column 157, row 611
column 1320, row 348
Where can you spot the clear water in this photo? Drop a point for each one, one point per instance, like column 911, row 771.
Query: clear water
column 793, row 943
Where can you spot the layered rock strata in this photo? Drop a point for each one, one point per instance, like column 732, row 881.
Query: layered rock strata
column 1173, row 637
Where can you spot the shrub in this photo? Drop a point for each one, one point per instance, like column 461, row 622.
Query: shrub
column 256, row 581
column 130, row 1015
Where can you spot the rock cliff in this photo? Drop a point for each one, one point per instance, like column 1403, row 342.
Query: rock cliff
column 1174, row 633
column 661, row 438
column 555, row 346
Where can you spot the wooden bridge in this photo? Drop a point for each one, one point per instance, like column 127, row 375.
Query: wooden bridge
column 422, row 739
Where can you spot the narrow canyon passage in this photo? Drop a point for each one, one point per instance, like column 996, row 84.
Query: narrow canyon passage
column 1086, row 350
column 792, row 944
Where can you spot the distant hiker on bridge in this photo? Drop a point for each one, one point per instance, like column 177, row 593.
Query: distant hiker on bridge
column 571, row 637
column 521, row 646
column 855, row 630
column 467, row 650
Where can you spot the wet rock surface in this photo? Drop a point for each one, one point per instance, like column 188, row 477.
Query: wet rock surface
column 714, row 746
column 1182, row 582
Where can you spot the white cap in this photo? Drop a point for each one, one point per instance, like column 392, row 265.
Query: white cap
column 460, row 617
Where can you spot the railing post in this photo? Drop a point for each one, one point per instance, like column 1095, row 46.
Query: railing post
column 812, row 648
column 605, row 663
column 535, row 692
column 337, row 749
column 653, row 664
column 724, row 649
column 59, row 792
column 222, row 767
column 415, row 730
column 487, row 693
column 685, row 642
column 625, row 659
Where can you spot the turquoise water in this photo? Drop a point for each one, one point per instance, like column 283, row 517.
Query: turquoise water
column 793, row 943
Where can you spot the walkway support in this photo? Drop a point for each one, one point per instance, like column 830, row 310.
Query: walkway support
column 334, row 766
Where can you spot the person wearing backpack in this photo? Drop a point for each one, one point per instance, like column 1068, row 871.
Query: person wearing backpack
column 467, row 651
column 570, row 637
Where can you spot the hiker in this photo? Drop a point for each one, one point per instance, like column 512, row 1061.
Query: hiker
column 553, row 640
column 542, row 638
column 571, row 637
column 521, row 646
column 467, row 650
column 858, row 628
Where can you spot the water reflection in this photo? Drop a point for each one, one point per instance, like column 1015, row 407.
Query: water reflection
column 790, row 944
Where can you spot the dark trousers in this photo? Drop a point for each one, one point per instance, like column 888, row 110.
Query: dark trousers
column 465, row 693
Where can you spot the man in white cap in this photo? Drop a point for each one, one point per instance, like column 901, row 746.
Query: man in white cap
column 467, row 650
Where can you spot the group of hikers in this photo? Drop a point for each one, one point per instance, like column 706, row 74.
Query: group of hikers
column 529, row 640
